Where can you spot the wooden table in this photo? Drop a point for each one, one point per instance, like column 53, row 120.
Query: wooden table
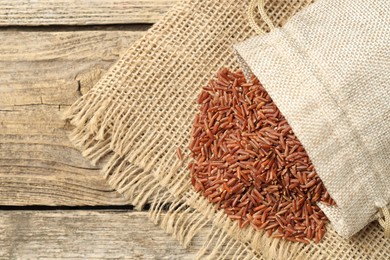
column 53, row 203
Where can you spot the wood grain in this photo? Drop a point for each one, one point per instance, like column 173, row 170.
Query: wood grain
column 41, row 74
column 86, row 12
column 43, row 70
column 85, row 235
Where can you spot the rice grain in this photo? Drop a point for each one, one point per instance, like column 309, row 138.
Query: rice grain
column 247, row 160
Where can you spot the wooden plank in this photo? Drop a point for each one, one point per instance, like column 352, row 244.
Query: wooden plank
column 46, row 67
column 42, row 73
column 85, row 235
column 77, row 12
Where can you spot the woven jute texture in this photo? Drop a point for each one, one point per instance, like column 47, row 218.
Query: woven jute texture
column 137, row 115
column 330, row 78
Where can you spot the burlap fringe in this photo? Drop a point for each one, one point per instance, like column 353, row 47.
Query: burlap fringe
column 167, row 188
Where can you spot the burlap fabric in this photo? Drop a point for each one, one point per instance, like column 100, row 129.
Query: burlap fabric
column 136, row 116
column 328, row 70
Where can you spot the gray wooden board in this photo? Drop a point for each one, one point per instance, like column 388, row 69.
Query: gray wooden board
column 43, row 70
column 41, row 74
column 78, row 234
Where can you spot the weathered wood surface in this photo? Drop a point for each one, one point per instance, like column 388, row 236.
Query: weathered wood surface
column 43, row 70
column 41, row 74
column 85, row 235
column 81, row 12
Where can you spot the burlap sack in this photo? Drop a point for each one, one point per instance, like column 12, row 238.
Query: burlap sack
column 328, row 70
column 136, row 116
